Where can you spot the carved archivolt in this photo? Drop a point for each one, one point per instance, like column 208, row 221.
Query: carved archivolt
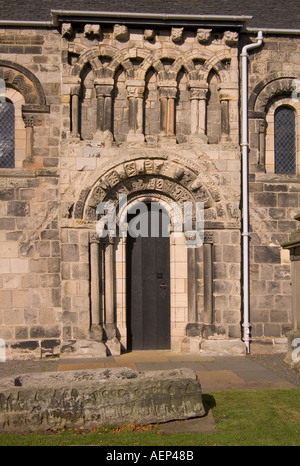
column 164, row 178
column 21, row 79
column 264, row 91
column 150, row 59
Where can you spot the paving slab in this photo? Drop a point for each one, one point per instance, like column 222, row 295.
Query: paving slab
column 150, row 366
column 220, row 380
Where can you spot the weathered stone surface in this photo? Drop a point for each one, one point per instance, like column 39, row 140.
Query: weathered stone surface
column 98, row 397
column 86, row 348
column 220, row 346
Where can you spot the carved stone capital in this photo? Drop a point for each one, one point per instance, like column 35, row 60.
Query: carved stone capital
column 108, row 240
column 94, row 238
column 28, row 121
column 198, row 93
column 75, row 90
column 261, row 126
column 208, row 237
column 135, row 91
column 168, row 92
column 104, row 90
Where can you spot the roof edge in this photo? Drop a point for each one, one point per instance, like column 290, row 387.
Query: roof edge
column 60, row 16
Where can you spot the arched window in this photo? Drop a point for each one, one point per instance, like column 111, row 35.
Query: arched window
column 285, row 140
column 7, row 134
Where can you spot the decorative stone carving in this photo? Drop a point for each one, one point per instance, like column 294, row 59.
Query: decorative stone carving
column 233, row 210
column 180, row 183
column 149, row 34
column 27, row 84
column 208, row 237
column 230, row 38
column 176, row 34
column 92, row 30
column 121, row 32
column 67, row 30
column 28, row 121
column 203, row 35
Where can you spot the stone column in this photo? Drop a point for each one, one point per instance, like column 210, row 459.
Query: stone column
column 192, row 285
column 262, row 143
column 167, row 96
column 112, row 343
column 135, row 94
column 208, row 282
column 109, row 287
column 198, row 112
column 75, row 93
column 224, row 120
column 293, row 355
column 29, row 159
column 96, row 328
column 95, row 280
column 228, row 97
column 104, row 111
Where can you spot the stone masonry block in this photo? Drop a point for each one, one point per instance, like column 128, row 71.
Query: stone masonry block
column 5, row 299
column 70, row 252
column 8, row 249
column 267, row 254
column 265, row 199
column 80, row 271
column 98, row 397
column 46, row 331
column 288, row 199
column 18, row 208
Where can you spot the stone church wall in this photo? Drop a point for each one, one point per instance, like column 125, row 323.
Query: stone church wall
column 274, row 198
column 115, row 110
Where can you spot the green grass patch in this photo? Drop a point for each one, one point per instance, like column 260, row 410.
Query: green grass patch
column 243, row 418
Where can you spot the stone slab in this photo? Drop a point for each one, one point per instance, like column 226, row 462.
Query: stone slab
column 220, row 380
column 205, row 424
column 144, row 366
column 95, row 397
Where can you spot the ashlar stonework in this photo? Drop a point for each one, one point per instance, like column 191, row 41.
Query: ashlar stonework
column 105, row 109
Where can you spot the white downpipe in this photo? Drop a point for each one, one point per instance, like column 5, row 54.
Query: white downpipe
column 245, row 194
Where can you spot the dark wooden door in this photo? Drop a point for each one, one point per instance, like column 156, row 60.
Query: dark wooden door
column 148, row 291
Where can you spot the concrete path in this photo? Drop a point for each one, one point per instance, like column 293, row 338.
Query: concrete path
column 214, row 372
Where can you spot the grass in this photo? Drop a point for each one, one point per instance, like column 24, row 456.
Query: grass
column 243, row 418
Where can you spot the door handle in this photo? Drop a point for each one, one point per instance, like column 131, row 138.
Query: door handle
column 163, row 286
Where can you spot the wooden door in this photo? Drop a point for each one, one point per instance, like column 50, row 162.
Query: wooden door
column 148, row 291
